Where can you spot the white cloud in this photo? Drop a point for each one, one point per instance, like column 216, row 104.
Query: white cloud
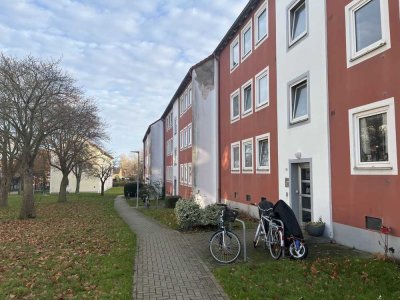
column 130, row 56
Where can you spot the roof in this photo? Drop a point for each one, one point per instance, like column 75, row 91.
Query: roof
column 183, row 84
column 234, row 28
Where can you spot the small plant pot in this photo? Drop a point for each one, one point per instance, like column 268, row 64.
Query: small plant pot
column 315, row 230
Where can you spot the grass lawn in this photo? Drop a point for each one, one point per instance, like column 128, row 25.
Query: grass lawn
column 321, row 278
column 80, row 249
column 163, row 215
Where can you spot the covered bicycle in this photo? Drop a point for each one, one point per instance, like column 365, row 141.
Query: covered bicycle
column 287, row 230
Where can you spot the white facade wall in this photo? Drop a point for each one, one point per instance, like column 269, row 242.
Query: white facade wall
column 156, row 154
column 175, row 148
column 205, row 133
column 309, row 139
column 88, row 184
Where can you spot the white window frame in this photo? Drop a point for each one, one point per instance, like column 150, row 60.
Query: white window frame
column 292, row 84
column 181, row 100
column 233, row 169
column 181, row 173
column 258, row 105
column 244, row 168
column 263, row 169
column 235, row 118
column 294, row 6
column 247, row 27
column 244, row 86
column 190, row 97
column 175, row 125
column 189, row 181
column 257, row 42
column 373, row 168
column 185, row 137
column 181, row 140
column 233, row 44
column 354, row 57
column 185, row 174
column 189, row 135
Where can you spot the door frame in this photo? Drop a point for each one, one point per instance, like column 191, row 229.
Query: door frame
column 294, row 185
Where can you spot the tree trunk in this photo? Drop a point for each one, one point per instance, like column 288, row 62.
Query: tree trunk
column 102, row 188
column 28, row 201
column 62, row 196
column 4, row 190
column 78, row 183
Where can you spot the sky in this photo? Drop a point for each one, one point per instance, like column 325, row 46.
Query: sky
column 129, row 55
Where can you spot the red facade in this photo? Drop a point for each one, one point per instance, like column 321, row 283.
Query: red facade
column 240, row 186
column 357, row 196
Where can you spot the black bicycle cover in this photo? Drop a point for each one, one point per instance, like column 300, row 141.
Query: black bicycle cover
column 287, row 216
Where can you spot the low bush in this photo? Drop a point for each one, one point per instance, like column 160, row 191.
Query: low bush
column 188, row 214
column 170, row 201
column 209, row 215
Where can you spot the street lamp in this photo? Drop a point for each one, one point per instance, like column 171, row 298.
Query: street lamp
column 137, row 179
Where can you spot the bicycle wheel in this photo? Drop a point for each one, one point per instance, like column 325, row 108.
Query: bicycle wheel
column 298, row 249
column 225, row 247
column 275, row 245
column 257, row 236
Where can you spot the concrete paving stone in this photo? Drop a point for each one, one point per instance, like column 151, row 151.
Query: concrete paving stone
column 167, row 263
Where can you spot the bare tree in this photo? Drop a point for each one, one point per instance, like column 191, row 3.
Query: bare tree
column 83, row 163
column 102, row 169
column 33, row 97
column 68, row 145
column 9, row 153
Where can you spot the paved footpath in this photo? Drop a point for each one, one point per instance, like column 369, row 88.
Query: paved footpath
column 166, row 264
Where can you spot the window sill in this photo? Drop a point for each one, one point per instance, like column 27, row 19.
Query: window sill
column 247, row 171
column 297, row 121
column 259, row 42
column 244, row 57
column 235, row 171
column 366, row 168
column 235, row 119
column 246, row 114
column 261, row 106
column 292, row 43
column 368, row 50
column 263, row 171
column 233, row 68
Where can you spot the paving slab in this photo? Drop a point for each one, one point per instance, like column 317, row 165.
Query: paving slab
column 167, row 262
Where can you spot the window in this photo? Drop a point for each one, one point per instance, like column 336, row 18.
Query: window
column 185, row 137
column 247, row 157
column 235, row 157
column 190, row 97
column 373, row 139
column 299, row 100
column 189, row 168
column 186, row 102
column 235, row 106
column 181, row 139
column 185, row 174
column 247, row 98
column 297, row 21
column 367, row 29
column 182, row 109
column 262, row 153
column 262, row 88
column 189, row 135
column 234, row 53
column 246, row 40
column 175, row 156
column 175, row 125
column 261, row 24
column 181, row 173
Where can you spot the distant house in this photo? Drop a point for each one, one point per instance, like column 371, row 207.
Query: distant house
column 88, row 182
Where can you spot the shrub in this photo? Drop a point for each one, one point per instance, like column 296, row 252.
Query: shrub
column 170, row 201
column 209, row 215
column 188, row 214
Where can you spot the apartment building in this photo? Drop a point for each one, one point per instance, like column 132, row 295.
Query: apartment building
column 297, row 102
column 153, row 152
column 248, row 164
column 364, row 108
column 191, row 135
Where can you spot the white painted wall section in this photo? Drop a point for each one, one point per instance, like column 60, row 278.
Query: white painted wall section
column 309, row 138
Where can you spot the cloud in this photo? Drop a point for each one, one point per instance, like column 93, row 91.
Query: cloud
column 130, row 56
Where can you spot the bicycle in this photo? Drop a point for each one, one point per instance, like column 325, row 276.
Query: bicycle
column 224, row 244
column 270, row 231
